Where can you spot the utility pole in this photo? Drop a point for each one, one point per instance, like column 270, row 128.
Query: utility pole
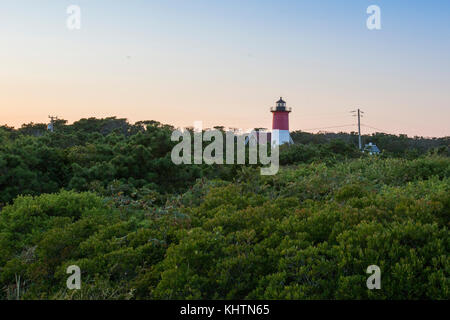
column 359, row 129
column 52, row 123
column 359, row 115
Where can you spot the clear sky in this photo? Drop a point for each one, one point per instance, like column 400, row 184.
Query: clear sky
column 226, row 62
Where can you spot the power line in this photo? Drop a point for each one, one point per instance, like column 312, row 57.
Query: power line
column 317, row 115
column 346, row 125
column 356, row 113
column 381, row 130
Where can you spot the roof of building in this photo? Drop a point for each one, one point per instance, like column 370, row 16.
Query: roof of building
column 372, row 148
column 281, row 100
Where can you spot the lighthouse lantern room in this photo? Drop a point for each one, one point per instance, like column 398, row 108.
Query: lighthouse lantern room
column 280, row 123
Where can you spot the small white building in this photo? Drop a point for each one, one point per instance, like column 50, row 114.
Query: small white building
column 371, row 148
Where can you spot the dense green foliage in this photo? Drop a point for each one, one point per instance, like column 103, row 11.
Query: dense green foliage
column 392, row 145
column 104, row 195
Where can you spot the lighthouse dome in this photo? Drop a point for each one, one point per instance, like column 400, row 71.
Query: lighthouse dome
column 281, row 103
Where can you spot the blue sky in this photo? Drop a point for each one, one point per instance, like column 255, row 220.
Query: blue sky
column 226, row 62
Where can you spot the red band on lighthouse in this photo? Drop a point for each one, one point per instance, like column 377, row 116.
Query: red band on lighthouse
column 280, row 120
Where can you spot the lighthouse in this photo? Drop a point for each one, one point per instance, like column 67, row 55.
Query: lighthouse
column 280, row 123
